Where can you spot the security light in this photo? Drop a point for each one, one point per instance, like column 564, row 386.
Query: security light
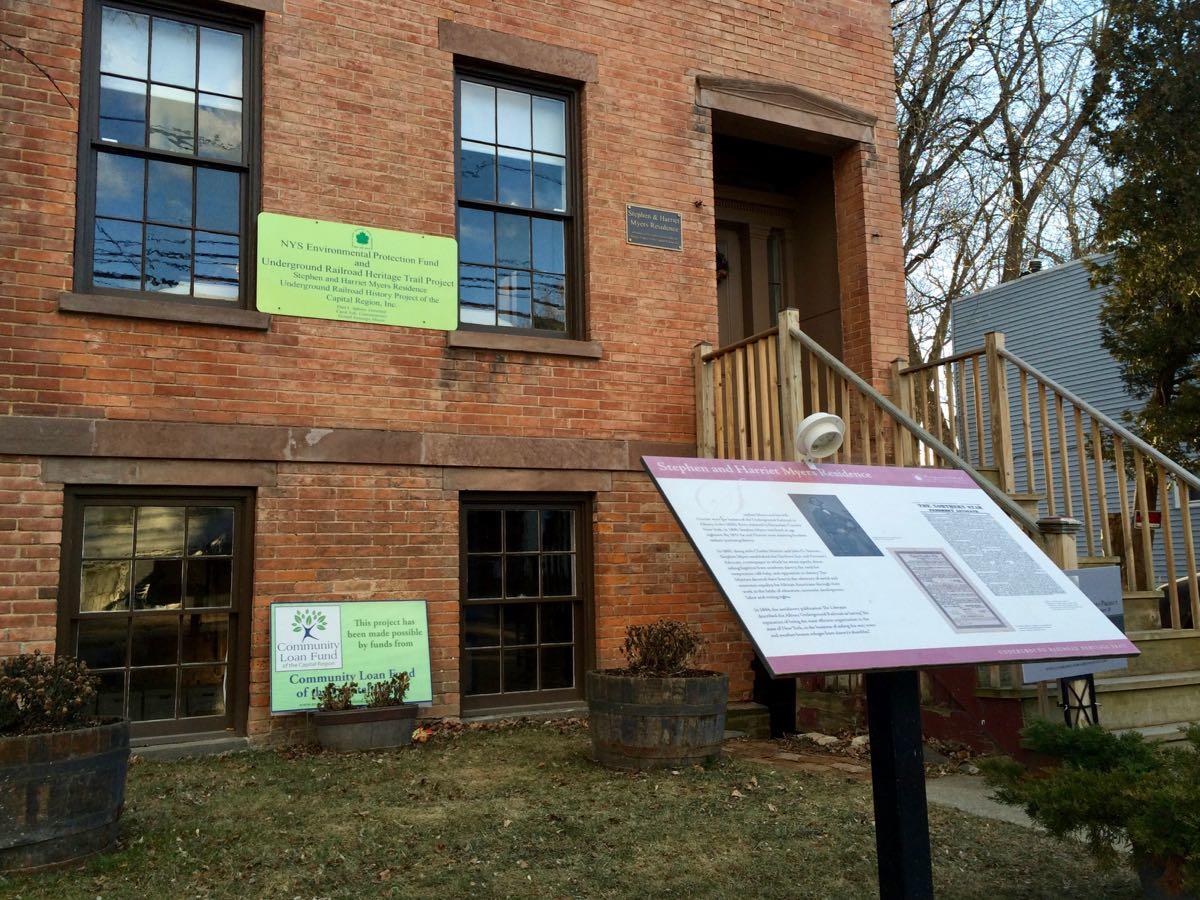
column 819, row 435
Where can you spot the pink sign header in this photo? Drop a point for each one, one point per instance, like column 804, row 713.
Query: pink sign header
column 819, row 473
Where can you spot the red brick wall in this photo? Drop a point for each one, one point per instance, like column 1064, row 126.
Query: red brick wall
column 30, row 535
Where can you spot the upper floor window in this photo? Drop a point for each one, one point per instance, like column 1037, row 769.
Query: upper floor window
column 168, row 151
column 517, row 206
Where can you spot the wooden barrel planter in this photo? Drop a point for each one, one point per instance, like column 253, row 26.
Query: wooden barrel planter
column 653, row 723
column 61, row 794
column 365, row 727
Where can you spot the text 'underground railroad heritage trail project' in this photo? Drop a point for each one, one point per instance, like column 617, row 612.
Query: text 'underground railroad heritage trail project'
column 839, row 568
column 366, row 641
column 355, row 273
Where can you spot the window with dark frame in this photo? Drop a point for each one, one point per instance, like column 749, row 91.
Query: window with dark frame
column 524, row 592
column 517, row 206
column 153, row 599
column 168, row 153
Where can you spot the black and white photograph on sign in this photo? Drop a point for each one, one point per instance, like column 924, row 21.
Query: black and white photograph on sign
column 834, row 525
column 948, row 589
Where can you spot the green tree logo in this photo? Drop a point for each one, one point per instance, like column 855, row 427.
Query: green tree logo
column 308, row 621
column 362, row 238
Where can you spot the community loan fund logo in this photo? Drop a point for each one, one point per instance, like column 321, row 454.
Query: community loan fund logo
column 308, row 637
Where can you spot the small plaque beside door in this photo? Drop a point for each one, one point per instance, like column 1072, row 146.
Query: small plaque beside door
column 649, row 227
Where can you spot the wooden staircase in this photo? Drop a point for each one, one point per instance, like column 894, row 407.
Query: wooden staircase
column 1083, row 498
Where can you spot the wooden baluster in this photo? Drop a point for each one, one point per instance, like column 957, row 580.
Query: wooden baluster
column 965, row 399
column 903, row 398
column 777, row 398
column 848, row 444
column 766, row 398
column 814, row 385
column 1168, row 546
column 752, row 394
column 937, row 429
column 1189, row 547
column 998, row 406
column 1060, row 421
column 1084, row 486
column 828, row 399
column 1143, row 502
column 1106, row 542
column 975, row 384
column 1126, row 514
column 1027, row 435
column 881, row 448
column 951, row 412
column 788, row 372
column 864, row 427
column 921, row 405
column 727, row 389
column 739, row 370
column 706, row 440
column 1047, row 462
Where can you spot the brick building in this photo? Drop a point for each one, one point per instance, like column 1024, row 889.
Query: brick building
column 173, row 460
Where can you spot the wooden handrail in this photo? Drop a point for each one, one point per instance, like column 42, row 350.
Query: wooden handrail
column 941, row 361
column 744, row 342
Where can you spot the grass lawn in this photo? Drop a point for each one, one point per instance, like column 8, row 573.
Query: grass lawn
column 523, row 813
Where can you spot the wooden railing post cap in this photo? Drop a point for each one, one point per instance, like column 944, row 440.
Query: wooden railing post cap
column 1059, row 525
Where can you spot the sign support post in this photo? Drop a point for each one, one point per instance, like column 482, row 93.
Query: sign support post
column 898, row 785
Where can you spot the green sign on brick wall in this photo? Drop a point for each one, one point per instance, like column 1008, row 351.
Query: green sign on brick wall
column 355, row 273
column 365, row 641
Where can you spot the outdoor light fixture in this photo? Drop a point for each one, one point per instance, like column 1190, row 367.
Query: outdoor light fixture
column 819, row 435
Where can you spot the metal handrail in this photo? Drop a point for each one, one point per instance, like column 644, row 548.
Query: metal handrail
column 1122, row 432
column 1001, row 499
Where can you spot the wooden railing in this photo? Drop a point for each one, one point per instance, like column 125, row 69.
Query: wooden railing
column 1063, row 458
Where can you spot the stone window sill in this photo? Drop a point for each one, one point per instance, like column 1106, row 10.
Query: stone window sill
column 523, row 343
column 163, row 310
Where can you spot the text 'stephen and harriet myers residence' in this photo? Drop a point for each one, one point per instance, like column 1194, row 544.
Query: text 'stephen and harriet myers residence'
column 175, row 459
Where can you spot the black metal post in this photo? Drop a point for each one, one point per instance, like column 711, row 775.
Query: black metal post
column 898, row 784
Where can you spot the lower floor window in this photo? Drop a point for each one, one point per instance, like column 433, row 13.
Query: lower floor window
column 524, row 601
column 153, row 599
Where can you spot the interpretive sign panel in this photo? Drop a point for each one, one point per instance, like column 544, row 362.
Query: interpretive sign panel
column 364, row 641
column 1102, row 584
column 838, row 568
column 651, row 227
column 332, row 270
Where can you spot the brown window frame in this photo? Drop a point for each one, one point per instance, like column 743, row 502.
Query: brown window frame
column 250, row 25
column 583, row 637
column 569, row 92
column 75, row 499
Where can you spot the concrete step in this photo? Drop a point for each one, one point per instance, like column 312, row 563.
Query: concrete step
column 1170, row 733
column 1163, row 650
column 1141, row 610
column 1086, row 562
column 749, row 719
column 207, row 746
column 1136, row 701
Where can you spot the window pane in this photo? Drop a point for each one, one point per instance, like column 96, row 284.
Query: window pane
column 477, row 295
column 520, row 624
column 205, row 637
column 550, row 182
column 512, row 298
column 103, row 641
column 477, row 175
column 217, row 200
column 558, row 667
column 220, row 62
column 478, row 112
column 549, row 125
column 110, row 699
column 512, row 241
column 520, row 670
column 557, row 622
column 512, row 116
column 173, row 54
column 122, row 110
column 152, row 694
column 124, row 42
column 108, row 532
column 217, row 258
column 550, row 302
column 120, row 184
column 482, row 674
column 483, row 577
column 209, row 582
column 210, row 530
column 158, row 584
column 155, row 641
column 514, row 187
column 521, row 576
column 476, row 236
column 168, row 259
column 558, row 575
column 481, row 625
column 483, row 530
column 220, row 127
column 160, row 531
column 521, row 530
column 202, row 690
column 169, row 193
column 104, row 586
column 117, row 254
column 548, row 246
column 172, row 119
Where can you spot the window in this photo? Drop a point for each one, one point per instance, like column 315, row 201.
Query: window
column 168, row 154
column 517, row 203
column 153, row 600
column 524, row 584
